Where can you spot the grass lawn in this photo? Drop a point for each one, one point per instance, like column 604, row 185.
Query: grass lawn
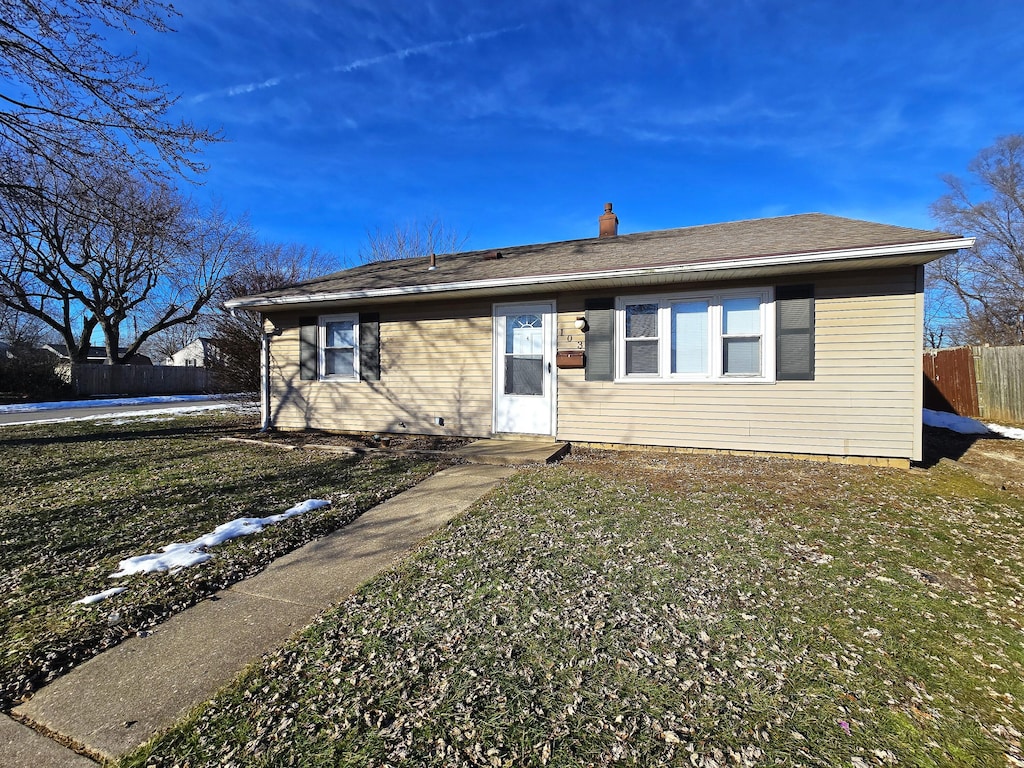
column 76, row 498
column 653, row 609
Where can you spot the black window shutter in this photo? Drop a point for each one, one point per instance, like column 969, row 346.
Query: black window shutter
column 600, row 352
column 369, row 346
column 794, row 333
column 307, row 348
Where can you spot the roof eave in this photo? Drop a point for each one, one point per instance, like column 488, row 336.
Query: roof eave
column 856, row 258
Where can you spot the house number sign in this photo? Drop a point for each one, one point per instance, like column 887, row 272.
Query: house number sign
column 573, row 340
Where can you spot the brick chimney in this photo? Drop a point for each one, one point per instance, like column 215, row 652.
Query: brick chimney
column 609, row 223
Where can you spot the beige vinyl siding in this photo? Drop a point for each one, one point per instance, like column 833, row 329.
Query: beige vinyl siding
column 436, row 361
column 864, row 399
column 433, row 365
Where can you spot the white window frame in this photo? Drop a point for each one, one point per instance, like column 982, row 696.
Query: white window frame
column 321, row 346
column 716, row 346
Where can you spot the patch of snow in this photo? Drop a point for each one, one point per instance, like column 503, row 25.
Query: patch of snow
column 961, row 424
column 120, row 418
column 110, row 402
column 174, row 557
column 1014, row 433
column 99, row 597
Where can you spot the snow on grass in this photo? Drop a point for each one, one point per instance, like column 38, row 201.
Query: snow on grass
column 105, row 403
column 122, row 417
column 1014, row 433
column 99, row 597
column 174, row 557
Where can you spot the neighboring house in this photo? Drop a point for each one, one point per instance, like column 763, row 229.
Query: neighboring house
column 797, row 335
column 96, row 355
column 197, row 354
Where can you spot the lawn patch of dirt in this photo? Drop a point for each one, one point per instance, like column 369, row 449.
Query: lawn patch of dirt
column 995, row 461
column 384, row 441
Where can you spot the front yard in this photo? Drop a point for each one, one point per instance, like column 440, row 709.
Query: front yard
column 77, row 498
column 653, row 609
column 615, row 609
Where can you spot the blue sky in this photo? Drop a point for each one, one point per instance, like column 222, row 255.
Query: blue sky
column 516, row 122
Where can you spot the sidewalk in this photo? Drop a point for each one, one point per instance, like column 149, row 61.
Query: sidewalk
column 118, row 700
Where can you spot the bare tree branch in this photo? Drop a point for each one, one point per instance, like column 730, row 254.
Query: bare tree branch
column 67, row 97
column 237, row 335
column 411, row 239
column 988, row 281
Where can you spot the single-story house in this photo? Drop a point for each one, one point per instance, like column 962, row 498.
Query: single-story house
column 199, row 353
column 797, row 335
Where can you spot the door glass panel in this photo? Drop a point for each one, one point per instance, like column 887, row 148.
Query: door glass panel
column 524, row 375
column 524, row 355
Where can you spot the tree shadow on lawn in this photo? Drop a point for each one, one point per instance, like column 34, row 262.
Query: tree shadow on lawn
column 154, row 598
column 114, row 435
column 995, row 460
column 81, row 534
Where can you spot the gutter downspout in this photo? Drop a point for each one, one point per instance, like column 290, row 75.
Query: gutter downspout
column 264, row 374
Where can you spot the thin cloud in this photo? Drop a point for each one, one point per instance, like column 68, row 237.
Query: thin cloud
column 250, row 87
column 352, row 66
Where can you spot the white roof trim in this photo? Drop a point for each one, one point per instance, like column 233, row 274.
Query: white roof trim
column 790, row 259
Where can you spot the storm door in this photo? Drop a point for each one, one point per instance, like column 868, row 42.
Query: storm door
column 524, row 379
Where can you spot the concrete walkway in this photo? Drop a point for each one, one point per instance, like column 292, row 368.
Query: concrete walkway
column 118, row 700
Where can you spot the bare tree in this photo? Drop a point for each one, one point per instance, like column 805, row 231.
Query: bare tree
column 20, row 331
column 67, row 98
column 987, row 281
column 236, row 335
column 411, row 239
column 90, row 253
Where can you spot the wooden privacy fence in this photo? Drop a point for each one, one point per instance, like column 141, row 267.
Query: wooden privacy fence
column 1000, row 372
column 981, row 382
column 87, row 379
column 950, row 383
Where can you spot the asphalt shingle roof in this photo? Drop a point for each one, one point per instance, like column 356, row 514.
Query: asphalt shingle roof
column 755, row 238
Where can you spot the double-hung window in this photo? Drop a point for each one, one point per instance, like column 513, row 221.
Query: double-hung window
column 339, row 347
column 712, row 336
column 642, row 338
column 742, row 336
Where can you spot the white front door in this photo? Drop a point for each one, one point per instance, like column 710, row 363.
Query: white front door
column 524, row 378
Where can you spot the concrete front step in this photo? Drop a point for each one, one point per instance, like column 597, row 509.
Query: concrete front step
column 512, row 452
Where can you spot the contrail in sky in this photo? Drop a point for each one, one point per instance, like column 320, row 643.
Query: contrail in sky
column 352, row 66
